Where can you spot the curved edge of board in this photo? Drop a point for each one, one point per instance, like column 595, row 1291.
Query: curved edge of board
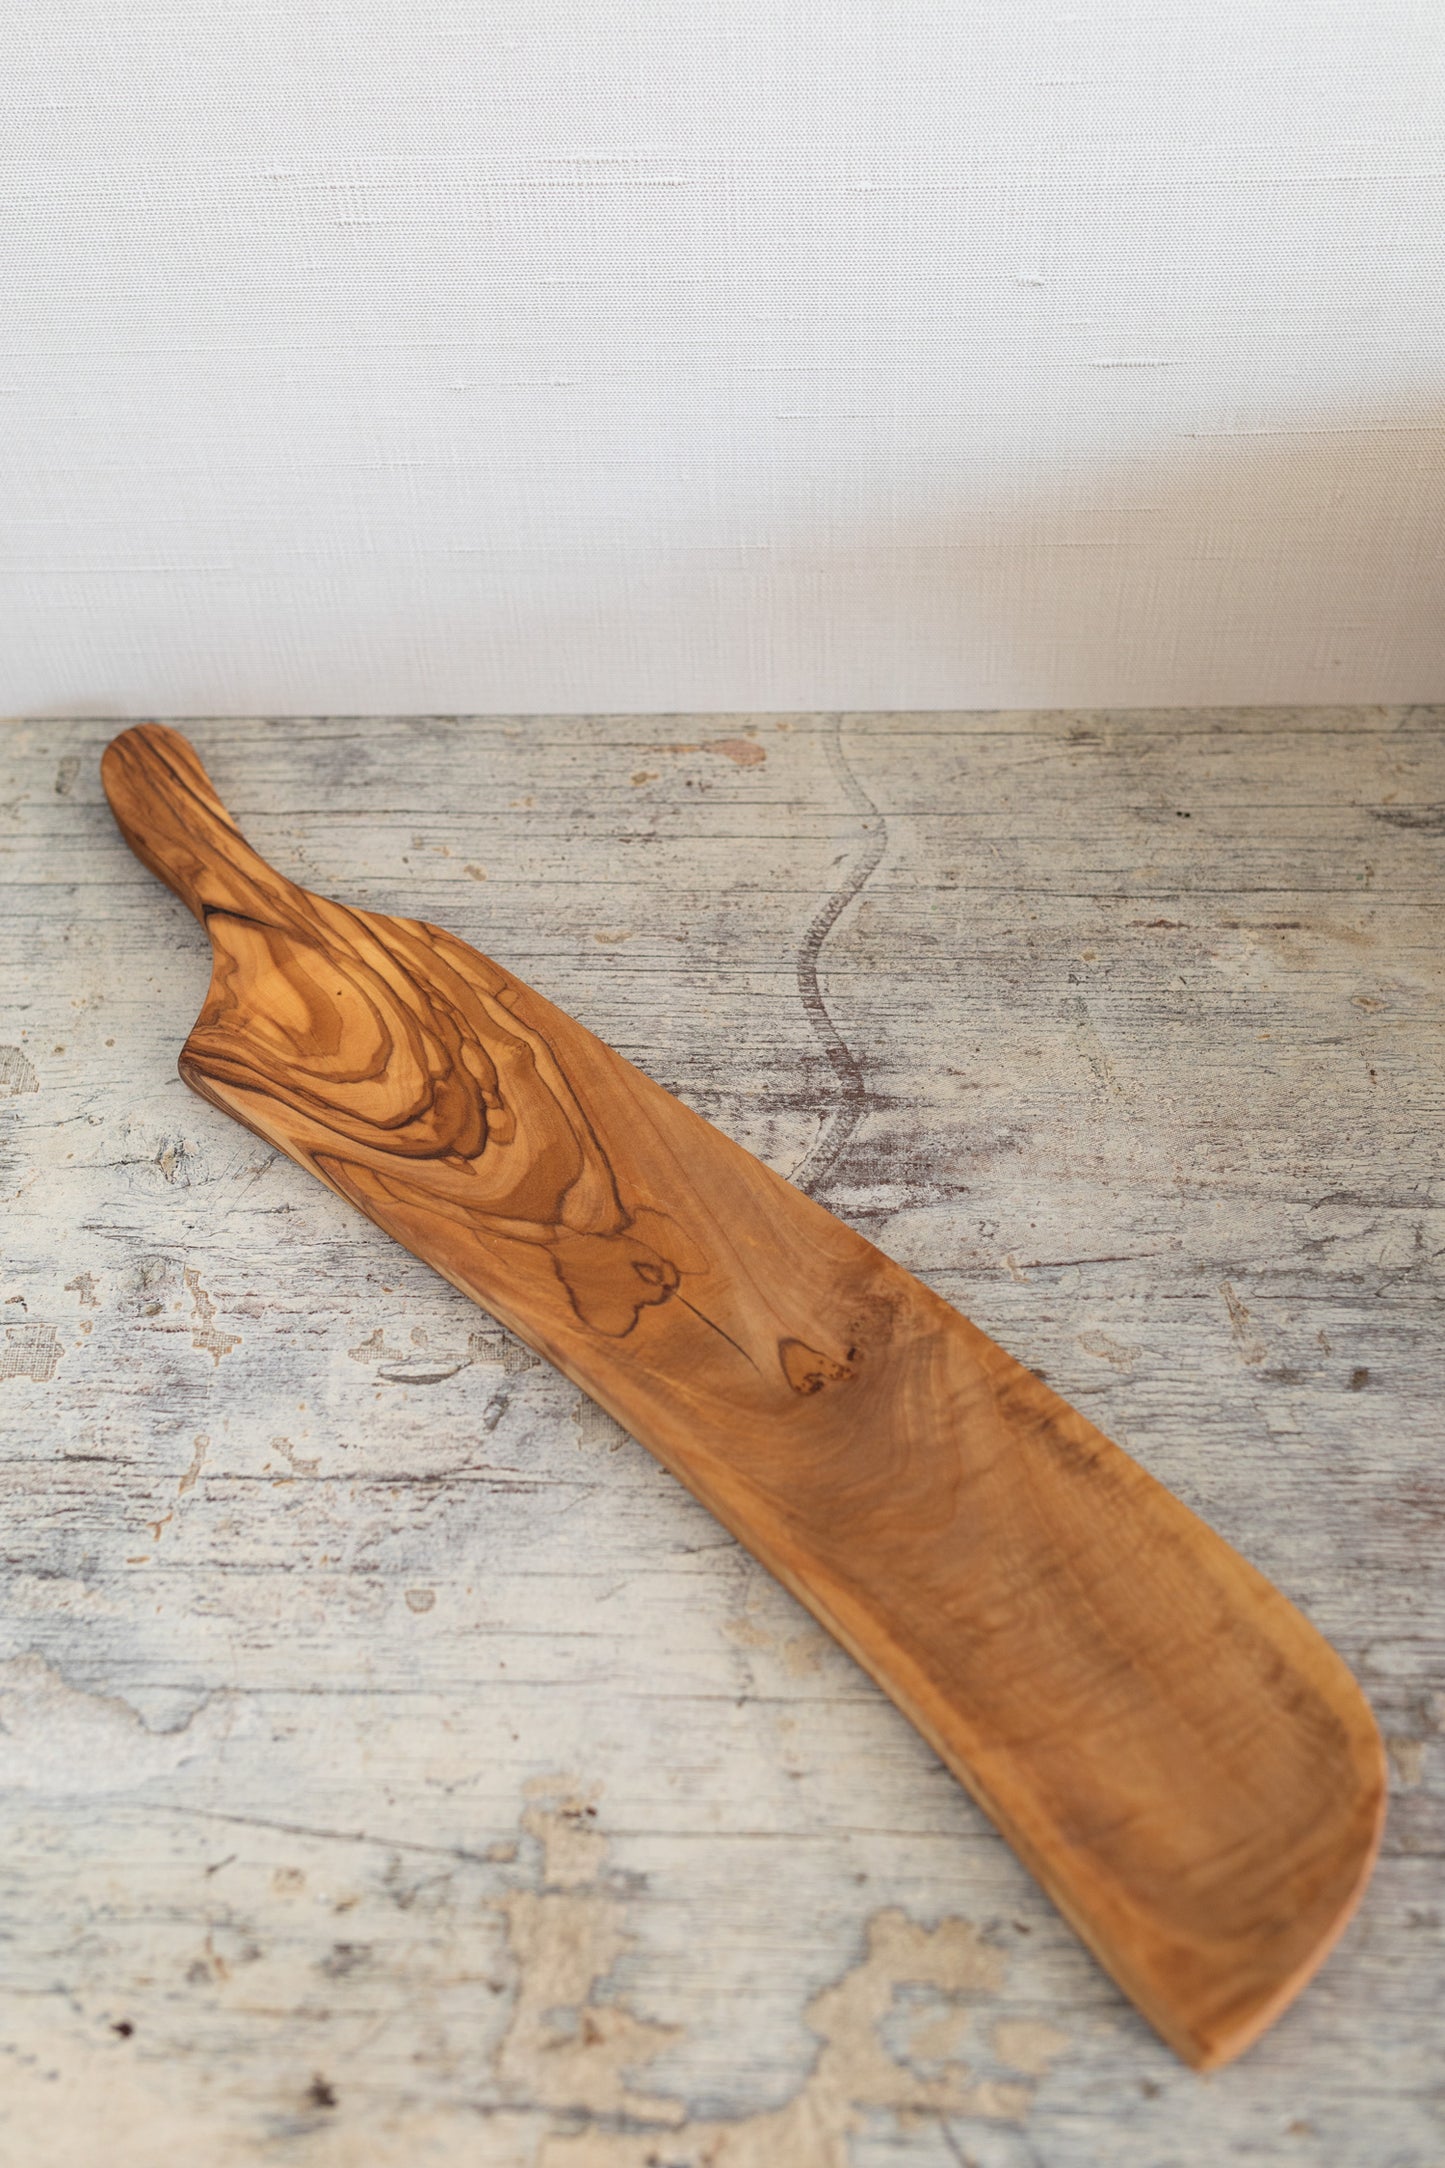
column 1197, row 2031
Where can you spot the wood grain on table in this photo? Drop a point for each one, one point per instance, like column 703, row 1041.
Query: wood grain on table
column 422, row 1773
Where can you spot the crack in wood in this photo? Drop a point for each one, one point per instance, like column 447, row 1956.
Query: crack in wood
column 840, row 1124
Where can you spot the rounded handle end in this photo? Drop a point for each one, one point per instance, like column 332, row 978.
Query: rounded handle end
column 167, row 809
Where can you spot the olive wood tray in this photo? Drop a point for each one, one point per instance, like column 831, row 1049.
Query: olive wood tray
column 1186, row 1766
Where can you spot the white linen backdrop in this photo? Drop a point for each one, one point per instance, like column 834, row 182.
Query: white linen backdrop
column 530, row 355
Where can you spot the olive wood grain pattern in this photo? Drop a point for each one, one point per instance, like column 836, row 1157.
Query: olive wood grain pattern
column 1187, row 1767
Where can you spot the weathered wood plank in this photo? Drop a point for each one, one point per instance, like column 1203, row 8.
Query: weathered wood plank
column 296, row 1852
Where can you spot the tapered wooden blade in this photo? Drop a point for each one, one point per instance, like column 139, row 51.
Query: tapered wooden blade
column 1184, row 1763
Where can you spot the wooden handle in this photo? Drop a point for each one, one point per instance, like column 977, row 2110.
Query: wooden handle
column 167, row 809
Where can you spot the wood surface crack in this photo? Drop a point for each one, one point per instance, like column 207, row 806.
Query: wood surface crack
column 321, row 1834
column 717, row 1328
column 837, row 1130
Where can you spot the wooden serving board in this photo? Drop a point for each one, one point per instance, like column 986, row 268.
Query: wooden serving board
column 1187, row 1767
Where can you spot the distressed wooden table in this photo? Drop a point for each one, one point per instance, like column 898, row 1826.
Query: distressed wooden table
column 397, row 1767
